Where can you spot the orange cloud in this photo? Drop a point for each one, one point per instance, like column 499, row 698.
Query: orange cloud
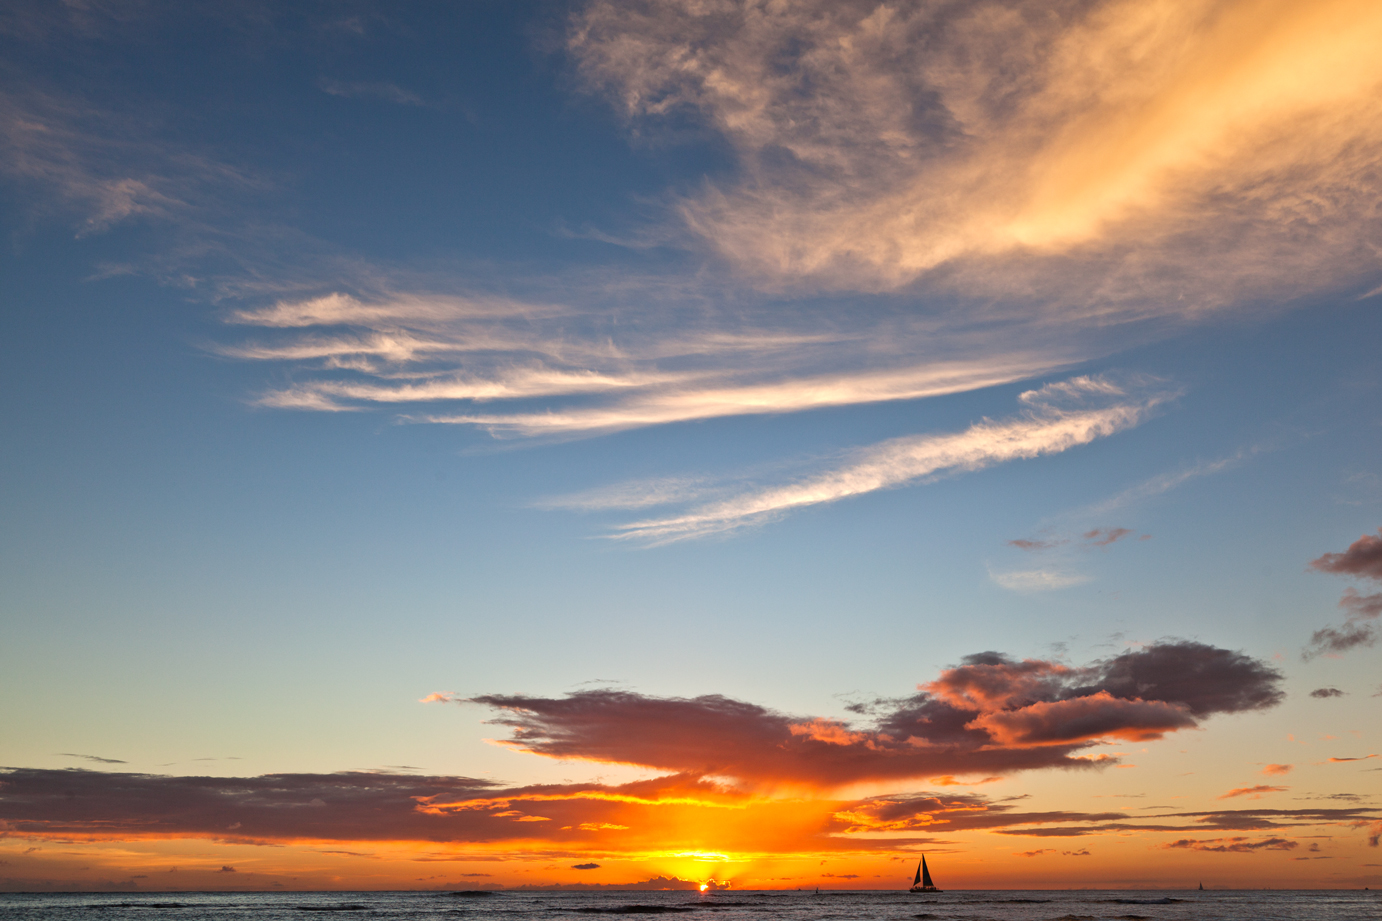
column 1082, row 719
column 1277, row 770
column 1256, row 792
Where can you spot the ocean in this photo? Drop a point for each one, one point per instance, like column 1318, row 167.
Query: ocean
column 1006, row 905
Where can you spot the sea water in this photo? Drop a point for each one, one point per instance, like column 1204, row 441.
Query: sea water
column 1007, row 905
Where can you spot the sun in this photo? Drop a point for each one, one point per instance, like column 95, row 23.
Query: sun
column 704, row 886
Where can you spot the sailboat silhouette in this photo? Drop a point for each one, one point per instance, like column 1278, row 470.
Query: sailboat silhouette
column 923, row 881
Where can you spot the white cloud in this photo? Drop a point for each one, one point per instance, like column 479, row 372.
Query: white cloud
column 716, row 398
column 598, row 374
column 1164, row 482
column 1059, row 417
column 1037, row 580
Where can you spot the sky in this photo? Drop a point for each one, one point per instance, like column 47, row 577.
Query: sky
column 680, row 443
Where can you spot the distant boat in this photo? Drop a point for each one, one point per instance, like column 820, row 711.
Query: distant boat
column 923, row 881
column 1202, row 887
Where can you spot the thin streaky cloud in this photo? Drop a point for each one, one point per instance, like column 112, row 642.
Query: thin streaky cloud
column 519, row 383
column 96, row 758
column 1038, row 580
column 818, row 392
column 1165, row 482
column 1051, row 424
column 385, row 92
column 343, row 309
column 597, row 374
column 633, row 494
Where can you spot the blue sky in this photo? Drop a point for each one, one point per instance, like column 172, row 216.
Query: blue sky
column 354, row 354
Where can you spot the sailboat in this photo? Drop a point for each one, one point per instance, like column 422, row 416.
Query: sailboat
column 923, row 881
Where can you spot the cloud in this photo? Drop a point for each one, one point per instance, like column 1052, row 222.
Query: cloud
column 1277, row 770
column 656, row 815
column 1056, row 417
column 1037, row 580
column 745, row 768
column 990, row 714
column 1256, row 792
column 427, row 353
column 1165, row 482
column 1363, row 558
column 1339, row 639
column 1323, row 693
column 1102, row 537
column 386, row 92
column 1097, row 716
column 1360, row 607
column 1234, row 845
column 1073, row 148
column 586, row 866
column 457, row 818
column 1341, row 760
column 95, row 758
column 1034, row 545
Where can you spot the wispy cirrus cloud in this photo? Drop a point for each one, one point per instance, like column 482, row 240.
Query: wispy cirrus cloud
column 424, row 356
column 1055, row 418
column 1038, row 580
column 1253, row 792
column 1079, row 151
column 365, row 89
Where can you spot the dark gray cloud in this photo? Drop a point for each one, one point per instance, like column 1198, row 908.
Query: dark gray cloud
column 1361, row 606
column 98, row 759
column 562, row 821
column 1349, row 635
column 1323, row 693
column 1363, row 559
column 1234, row 845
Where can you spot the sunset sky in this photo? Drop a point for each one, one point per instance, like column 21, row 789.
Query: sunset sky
column 647, row 442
